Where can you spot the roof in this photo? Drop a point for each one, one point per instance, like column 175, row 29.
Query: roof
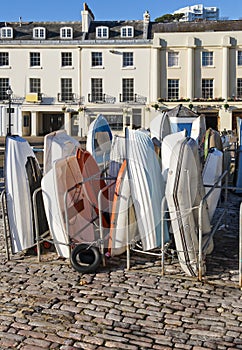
column 201, row 26
column 181, row 111
column 24, row 30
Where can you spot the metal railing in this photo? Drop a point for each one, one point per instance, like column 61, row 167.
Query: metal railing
column 102, row 98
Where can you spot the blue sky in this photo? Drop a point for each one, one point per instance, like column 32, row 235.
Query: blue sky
column 53, row 10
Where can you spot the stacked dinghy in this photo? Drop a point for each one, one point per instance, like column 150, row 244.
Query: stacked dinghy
column 184, row 191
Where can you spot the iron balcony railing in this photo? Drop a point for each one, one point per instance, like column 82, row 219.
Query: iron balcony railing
column 135, row 98
column 70, row 97
column 102, row 98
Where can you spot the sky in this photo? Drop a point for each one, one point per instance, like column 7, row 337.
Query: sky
column 56, row 10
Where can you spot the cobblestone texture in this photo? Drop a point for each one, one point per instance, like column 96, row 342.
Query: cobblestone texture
column 48, row 305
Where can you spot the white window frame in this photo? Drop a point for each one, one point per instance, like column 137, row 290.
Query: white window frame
column 239, row 58
column 173, row 89
column 66, row 33
column 102, row 32
column 128, row 59
column 173, row 59
column 39, row 33
column 208, row 88
column 127, row 32
column 6, row 33
column 207, row 59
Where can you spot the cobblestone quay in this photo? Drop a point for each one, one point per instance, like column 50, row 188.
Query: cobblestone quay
column 48, row 305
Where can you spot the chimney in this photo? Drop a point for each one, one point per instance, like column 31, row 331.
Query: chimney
column 87, row 18
column 146, row 21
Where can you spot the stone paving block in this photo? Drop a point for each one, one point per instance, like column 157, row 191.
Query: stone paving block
column 118, row 345
column 41, row 343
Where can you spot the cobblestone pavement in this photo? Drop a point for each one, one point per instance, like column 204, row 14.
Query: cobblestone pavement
column 48, row 305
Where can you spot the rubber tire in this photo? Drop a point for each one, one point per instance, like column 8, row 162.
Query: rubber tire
column 93, row 259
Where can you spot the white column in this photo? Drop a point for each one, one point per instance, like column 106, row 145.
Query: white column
column 190, row 67
column 225, row 73
column 225, row 68
column 67, row 122
column 155, row 74
column 82, row 125
column 33, row 123
column 190, row 73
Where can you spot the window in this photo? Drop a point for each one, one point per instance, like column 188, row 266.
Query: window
column 115, row 121
column 34, row 59
column 102, row 32
column 173, row 59
column 26, row 121
column 66, row 59
column 4, row 59
column 173, row 89
column 128, row 90
column 127, row 32
column 39, row 33
column 239, row 58
column 97, row 90
column 207, row 88
column 34, row 85
column 239, row 88
column 97, row 59
column 128, row 59
column 4, row 85
column 6, row 32
column 66, row 89
column 66, row 33
column 207, row 58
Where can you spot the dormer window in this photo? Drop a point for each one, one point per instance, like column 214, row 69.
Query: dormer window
column 6, row 32
column 127, row 32
column 102, row 32
column 39, row 33
column 66, row 33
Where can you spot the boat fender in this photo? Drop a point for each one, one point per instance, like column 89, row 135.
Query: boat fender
column 85, row 258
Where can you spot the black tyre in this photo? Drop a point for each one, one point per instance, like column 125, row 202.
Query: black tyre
column 85, row 258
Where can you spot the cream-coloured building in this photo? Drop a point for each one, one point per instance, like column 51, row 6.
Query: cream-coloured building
column 63, row 74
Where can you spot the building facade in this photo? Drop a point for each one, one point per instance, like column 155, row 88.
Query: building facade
column 63, row 74
column 199, row 12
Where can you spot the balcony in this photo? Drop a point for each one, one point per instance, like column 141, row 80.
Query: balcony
column 101, row 98
column 33, row 97
column 133, row 99
column 70, row 98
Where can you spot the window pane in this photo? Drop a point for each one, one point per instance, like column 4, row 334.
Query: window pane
column 173, row 59
column 207, row 88
column 128, row 59
column 4, row 59
column 66, row 89
column 207, row 58
column 7, row 32
column 239, row 87
column 34, row 59
column 66, row 32
column 34, row 85
column 66, row 59
column 115, row 121
column 128, row 90
column 173, row 89
column 97, row 90
column 4, row 85
column 97, row 59
column 102, row 32
column 239, row 58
